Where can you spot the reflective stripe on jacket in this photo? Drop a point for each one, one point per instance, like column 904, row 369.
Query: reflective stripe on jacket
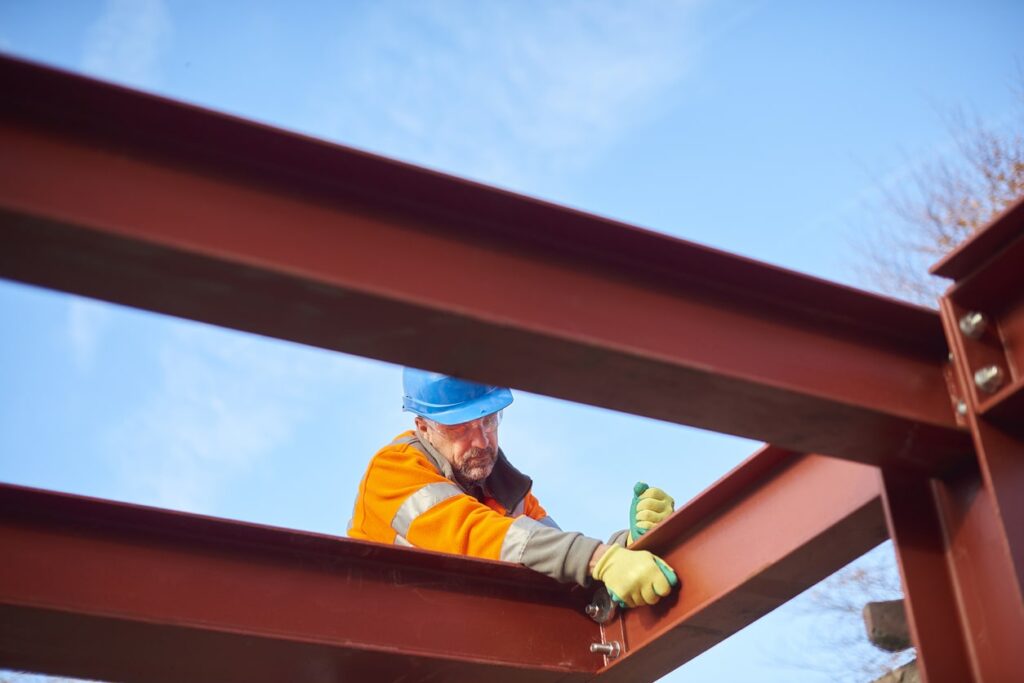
column 409, row 496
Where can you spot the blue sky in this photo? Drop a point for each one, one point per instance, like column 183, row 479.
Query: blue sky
column 766, row 129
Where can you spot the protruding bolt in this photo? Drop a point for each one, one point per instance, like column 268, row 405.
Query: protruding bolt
column 989, row 378
column 610, row 650
column 961, row 408
column 592, row 611
column 973, row 324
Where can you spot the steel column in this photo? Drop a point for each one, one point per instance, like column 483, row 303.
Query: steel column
column 924, row 554
column 960, row 538
column 989, row 279
column 151, row 203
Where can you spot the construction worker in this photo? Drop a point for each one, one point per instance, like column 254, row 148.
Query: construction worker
column 446, row 486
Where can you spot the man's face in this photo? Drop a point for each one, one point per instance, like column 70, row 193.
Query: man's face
column 470, row 447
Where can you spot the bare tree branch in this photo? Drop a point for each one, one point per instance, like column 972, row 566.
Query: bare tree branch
column 944, row 202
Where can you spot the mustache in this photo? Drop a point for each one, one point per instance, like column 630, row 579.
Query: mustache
column 474, row 453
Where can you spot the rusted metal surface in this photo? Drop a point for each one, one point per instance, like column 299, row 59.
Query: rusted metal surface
column 119, row 592
column 960, row 538
column 769, row 530
column 143, row 201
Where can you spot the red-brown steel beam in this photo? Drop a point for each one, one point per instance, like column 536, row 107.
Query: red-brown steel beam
column 989, row 272
column 767, row 531
column 960, row 538
column 155, row 204
column 962, row 604
column 118, row 592
column 113, row 591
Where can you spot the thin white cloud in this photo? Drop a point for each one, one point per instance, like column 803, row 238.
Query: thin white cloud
column 503, row 92
column 222, row 403
column 126, row 42
column 87, row 323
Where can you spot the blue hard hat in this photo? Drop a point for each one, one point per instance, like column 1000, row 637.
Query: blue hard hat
column 450, row 400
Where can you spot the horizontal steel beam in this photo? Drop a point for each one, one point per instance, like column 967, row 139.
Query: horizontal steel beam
column 766, row 532
column 155, row 204
column 111, row 591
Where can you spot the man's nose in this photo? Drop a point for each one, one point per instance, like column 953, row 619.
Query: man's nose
column 481, row 439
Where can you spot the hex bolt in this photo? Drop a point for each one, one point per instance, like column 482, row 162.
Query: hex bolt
column 610, row 650
column 961, row 408
column 989, row 378
column 973, row 324
column 593, row 611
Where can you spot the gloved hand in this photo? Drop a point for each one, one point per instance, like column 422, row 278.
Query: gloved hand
column 634, row 577
column 650, row 506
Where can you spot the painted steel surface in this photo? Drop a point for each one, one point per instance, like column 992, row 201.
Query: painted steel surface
column 960, row 538
column 113, row 591
column 135, row 199
column 915, row 526
column 155, row 204
column 766, row 532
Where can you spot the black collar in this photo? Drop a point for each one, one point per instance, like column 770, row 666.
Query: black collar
column 506, row 484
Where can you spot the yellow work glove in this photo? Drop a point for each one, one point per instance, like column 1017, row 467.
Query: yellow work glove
column 649, row 507
column 634, row 577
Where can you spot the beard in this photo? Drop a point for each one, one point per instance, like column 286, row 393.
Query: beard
column 477, row 465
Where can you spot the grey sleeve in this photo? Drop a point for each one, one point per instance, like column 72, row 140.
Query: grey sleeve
column 547, row 521
column 562, row 555
column 619, row 538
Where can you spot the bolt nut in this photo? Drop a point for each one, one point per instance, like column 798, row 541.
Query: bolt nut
column 610, row 650
column 989, row 378
column 973, row 324
column 961, row 408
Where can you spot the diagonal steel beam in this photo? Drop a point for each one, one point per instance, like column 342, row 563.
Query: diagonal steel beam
column 155, row 204
column 111, row 591
column 770, row 529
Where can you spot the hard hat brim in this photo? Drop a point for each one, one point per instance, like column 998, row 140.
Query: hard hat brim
column 487, row 404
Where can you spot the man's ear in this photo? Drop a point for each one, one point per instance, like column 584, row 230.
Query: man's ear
column 421, row 424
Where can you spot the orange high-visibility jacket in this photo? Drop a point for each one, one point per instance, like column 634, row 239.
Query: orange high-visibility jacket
column 409, row 496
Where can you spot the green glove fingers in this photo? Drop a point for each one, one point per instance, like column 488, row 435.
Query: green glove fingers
column 670, row 575
column 634, row 577
column 635, row 531
column 649, row 507
column 673, row 578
